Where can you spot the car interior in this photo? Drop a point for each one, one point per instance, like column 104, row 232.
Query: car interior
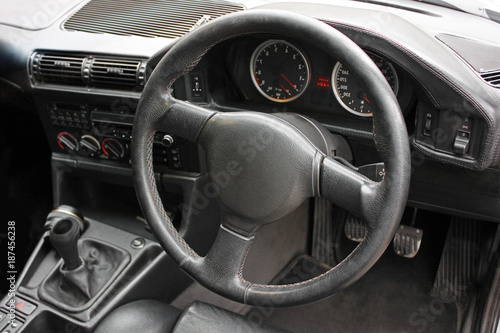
column 250, row 166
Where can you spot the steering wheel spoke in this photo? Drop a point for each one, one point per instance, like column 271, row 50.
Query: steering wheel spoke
column 349, row 189
column 223, row 265
column 182, row 118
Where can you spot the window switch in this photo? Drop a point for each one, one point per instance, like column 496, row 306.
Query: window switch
column 461, row 143
column 428, row 124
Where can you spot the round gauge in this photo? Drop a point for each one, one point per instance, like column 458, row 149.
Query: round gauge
column 279, row 71
column 348, row 91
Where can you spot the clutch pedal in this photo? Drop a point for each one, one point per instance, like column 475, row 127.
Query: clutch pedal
column 407, row 241
column 355, row 228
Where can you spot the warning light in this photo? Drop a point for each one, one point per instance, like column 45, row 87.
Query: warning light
column 323, row 82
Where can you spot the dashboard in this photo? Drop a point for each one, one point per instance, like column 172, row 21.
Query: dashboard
column 85, row 80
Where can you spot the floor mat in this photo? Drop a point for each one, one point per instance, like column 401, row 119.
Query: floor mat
column 394, row 296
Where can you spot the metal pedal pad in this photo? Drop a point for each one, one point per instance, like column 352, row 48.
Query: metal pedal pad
column 407, row 241
column 355, row 228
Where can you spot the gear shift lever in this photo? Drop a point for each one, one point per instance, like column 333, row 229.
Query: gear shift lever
column 64, row 237
column 89, row 265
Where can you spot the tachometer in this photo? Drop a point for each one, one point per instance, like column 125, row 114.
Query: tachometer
column 350, row 94
column 279, row 71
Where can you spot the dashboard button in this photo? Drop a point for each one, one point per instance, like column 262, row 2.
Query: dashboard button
column 13, row 327
column 24, row 307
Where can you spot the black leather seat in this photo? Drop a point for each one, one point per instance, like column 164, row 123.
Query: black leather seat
column 140, row 316
column 149, row 316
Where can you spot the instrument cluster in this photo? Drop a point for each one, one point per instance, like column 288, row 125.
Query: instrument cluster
column 295, row 75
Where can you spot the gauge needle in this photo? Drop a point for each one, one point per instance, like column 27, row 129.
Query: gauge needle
column 286, row 79
column 285, row 89
column 366, row 99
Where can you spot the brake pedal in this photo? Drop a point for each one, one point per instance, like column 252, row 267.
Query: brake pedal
column 355, row 228
column 407, row 241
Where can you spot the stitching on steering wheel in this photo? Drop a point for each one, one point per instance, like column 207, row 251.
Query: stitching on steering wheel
column 240, row 271
column 157, row 199
column 268, row 286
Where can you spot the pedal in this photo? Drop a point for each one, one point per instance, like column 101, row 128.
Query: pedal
column 459, row 265
column 407, row 241
column 355, row 228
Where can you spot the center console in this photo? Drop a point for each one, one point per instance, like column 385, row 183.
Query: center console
column 91, row 262
column 72, row 281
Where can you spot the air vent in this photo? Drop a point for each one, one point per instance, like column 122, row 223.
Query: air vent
column 492, row 78
column 89, row 71
column 147, row 18
column 58, row 69
column 113, row 72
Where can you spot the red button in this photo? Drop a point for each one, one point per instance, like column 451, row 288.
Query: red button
column 24, row 307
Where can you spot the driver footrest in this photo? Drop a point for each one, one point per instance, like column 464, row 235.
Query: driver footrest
column 407, row 241
column 355, row 228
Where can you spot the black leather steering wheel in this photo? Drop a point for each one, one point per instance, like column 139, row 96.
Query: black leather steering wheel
column 288, row 171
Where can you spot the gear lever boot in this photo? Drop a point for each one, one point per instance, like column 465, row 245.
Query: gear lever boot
column 88, row 264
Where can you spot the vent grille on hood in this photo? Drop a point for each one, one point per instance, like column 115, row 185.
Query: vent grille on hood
column 89, row 71
column 492, row 78
column 147, row 18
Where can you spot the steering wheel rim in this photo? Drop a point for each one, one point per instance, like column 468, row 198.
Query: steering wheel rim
column 381, row 205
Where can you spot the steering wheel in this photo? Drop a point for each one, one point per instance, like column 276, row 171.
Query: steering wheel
column 288, row 169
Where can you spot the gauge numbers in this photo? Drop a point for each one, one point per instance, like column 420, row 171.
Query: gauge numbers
column 348, row 91
column 279, row 71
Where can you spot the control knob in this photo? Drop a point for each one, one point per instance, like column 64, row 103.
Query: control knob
column 113, row 149
column 89, row 146
column 67, row 142
column 167, row 140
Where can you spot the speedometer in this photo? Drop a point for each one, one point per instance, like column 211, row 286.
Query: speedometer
column 348, row 91
column 279, row 71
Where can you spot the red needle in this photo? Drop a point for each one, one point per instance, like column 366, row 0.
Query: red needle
column 285, row 89
column 290, row 83
column 366, row 99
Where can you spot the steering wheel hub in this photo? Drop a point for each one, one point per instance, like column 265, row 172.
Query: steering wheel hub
column 260, row 166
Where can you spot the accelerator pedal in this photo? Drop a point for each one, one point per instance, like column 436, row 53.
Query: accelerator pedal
column 459, row 266
column 407, row 241
column 355, row 228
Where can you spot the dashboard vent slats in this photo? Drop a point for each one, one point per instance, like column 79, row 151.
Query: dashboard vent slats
column 112, row 72
column 147, row 18
column 89, row 71
column 59, row 69
column 492, row 78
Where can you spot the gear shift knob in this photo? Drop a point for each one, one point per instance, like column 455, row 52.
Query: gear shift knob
column 64, row 237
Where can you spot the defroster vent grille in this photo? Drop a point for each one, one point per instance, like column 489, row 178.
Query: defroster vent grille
column 147, row 18
column 492, row 78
